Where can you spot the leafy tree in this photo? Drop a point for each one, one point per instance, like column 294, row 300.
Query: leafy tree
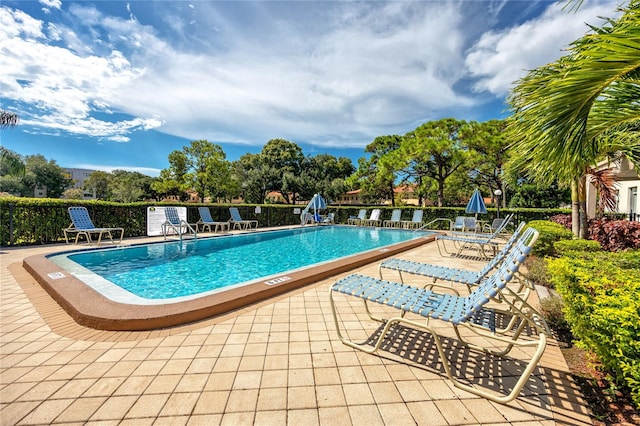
column 12, row 184
column 281, row 165
column 201, row 166
column 207, row 166
column 41, row 173
column 250, row 170
column 99, row 183
column 570, row 113
column 172, row 181
column 487, row 143
column 168, row 183
column 11, row 163
column 325, row 174
column 530, row 195
column 435, row 150
column 376, row 175
column 127, row 187
column 73, row 194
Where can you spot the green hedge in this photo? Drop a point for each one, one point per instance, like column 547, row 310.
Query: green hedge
column 567, row 247
column 25, row 221
column 550, row 232
column 600, row 292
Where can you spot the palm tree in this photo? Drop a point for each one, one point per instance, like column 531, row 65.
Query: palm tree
column 10, row 160
column 573, row 112
column 8, row 119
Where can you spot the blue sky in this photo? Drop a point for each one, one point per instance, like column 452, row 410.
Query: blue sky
column 119, row 85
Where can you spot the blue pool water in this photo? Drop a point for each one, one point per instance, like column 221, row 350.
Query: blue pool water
column 177, row 269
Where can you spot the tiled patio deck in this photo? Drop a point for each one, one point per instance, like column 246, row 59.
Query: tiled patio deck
column 278, row 362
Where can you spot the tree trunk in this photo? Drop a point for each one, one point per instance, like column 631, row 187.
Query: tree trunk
column 440, row 193
column 575, row 208
column 393, row 195
column 504, row 196
column 582, row 194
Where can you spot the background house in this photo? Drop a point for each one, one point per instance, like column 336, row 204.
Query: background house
column 79, row 176
column 628, row 182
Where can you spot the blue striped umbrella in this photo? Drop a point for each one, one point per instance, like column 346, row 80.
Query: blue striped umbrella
column 316, row 203
column 476, row 203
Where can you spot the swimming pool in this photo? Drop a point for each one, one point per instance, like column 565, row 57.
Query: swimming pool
column 176, row 271
column 93, row 300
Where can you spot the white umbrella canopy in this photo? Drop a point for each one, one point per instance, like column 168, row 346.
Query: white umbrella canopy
column 316, row 203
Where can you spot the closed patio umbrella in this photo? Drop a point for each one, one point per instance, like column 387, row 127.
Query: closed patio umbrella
column 476, row 203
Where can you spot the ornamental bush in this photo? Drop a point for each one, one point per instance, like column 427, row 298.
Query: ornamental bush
column 612, row 231
column 615, row 235
column 564, row 247
column 550, row 232
column 600, row 291
column 562, row 219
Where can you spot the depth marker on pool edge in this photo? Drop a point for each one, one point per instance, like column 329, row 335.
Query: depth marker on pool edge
column 277, row 280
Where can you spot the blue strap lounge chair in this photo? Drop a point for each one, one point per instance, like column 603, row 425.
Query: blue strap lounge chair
column 466, row 241
column 445, row 273
column 394, row 222
column 416, row 220
column 81, row 224
column 362, row 214
column 497, row 228
column 237, row 221
column 176, row 225
column 206, row 221
column 497, row 224
column 458, row 224
column 473, row 313
column 470, row 224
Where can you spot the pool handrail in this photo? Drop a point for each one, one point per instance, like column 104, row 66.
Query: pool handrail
column 174, row 222
column 425, row 226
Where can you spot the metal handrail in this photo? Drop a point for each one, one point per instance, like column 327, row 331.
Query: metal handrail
column 434, row 221
column 177, row 228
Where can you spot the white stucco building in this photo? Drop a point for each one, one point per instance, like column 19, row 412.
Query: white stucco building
column 79, row 176
column 628, row 183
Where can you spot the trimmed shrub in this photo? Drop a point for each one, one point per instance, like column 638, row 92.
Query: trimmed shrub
column 25, row 221
column 562, row 219
column 566, row 247
column 550, row 232
column 615, row 235
column 551, row 309
column 600, row 292
column 536, row 271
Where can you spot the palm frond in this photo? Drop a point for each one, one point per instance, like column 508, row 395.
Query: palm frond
column 605, row 183
column 561, row 109
column 8, row 119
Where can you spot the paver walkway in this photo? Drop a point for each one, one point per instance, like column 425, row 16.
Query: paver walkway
column 278, row 362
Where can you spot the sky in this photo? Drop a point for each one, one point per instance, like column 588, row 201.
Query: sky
column 110, row 85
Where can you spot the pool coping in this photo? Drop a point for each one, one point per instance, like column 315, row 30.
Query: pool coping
column 91, row 309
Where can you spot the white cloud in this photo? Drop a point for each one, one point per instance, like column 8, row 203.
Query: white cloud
column 367, row 71
column 326, row 73
column 63, row 89
column 500, row 58
column 374, row 71
column 14, row 24
column 51, row 4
